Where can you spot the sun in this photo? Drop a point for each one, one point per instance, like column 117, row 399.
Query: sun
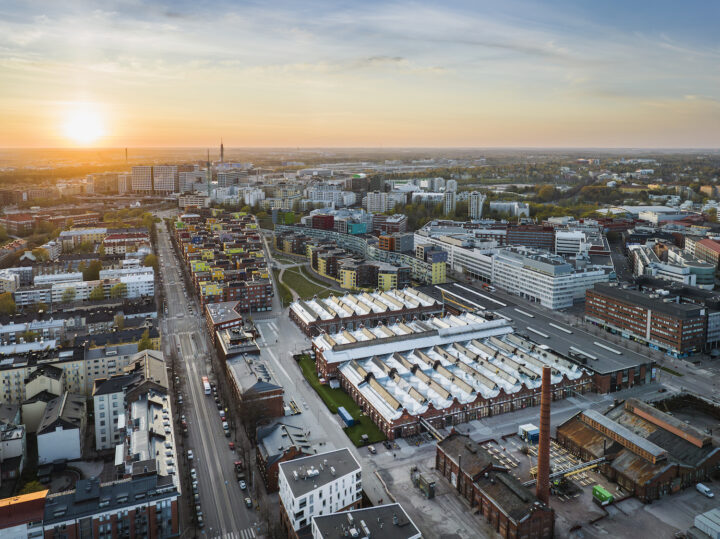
column 83, row 124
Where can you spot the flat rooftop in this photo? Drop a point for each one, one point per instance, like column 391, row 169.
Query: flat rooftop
column 602, row 356
column 381, row 522
column 309, row 473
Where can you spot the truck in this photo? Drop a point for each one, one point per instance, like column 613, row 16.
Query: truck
column 345, row 416
column 601, row 496
column 206, row 385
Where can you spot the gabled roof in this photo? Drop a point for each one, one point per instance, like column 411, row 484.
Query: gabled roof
column 67, row 411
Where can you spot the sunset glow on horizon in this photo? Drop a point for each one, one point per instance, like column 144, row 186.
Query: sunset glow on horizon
column 376, row 74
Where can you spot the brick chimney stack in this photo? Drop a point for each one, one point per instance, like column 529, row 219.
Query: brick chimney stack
column 543, row 467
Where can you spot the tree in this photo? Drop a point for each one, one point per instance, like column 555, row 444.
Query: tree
column 711, row 215
column 546, row 193
column 29, row 336
column 68, row 295
column 92, row 271
column 84, row 247
column 7, row 303
column 145, row 343
column 151, row 261
column 41, row 254
column 97, row 294
column 37, row 307
column 119, row 321
column 118, row 291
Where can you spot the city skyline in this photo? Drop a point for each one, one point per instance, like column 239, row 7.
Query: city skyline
column 401, row 74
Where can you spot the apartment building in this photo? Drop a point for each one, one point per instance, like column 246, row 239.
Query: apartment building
column 165, row 179
column 475, row 205
column 318, row 485
column 378, row 202
column 388, row 521
column 659, row 320
column 141, row 180
column 449, row 202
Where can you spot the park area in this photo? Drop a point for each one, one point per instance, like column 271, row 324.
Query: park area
column 305, row 286
column 334, row 398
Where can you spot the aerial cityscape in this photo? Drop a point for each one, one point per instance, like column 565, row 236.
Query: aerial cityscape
column 388, row 270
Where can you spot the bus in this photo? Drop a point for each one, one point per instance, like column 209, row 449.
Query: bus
column 206, row 384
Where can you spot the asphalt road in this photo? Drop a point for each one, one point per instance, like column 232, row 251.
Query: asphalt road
column 220, row 497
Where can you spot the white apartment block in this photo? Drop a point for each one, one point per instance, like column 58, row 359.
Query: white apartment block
column 53, row 278
column 475, row 205
column 377, row 202
column 9, row 281
column 318, row 485
column 252, row 196
column 109, row 402
column 449, row 201
column 542, row 277
column 142, row 179
column 451, row 185
column 166, row 179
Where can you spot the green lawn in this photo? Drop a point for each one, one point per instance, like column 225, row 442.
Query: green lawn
column 285, row 294
column 305, row 287
column 308, row 274
column 334, row 398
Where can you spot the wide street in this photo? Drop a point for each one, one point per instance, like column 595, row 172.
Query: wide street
column 220, row 497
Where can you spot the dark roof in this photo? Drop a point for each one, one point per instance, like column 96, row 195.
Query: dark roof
column 44, row 396
column 509, row 495
column 89, row 493
column 475, row 459
column 67, row 410
column 635, row 297
column 114, row 384
column 382, row 522
column 8, row 412
column 49, row 371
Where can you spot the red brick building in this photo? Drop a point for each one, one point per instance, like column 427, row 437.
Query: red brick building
column 511, row 509
column 678, row 328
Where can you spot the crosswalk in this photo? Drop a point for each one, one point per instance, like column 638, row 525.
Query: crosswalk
column 248, row 533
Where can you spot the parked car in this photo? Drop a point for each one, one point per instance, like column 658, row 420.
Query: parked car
column 387, row 444
column 225, row 425
column 702, row 489
column 243, row 486
column 372, row 449
column 231, row 445
column 190, row 454
column 248, row 503
column 193, row 473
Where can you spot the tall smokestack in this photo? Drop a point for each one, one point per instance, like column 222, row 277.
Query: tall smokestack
column 543, row 467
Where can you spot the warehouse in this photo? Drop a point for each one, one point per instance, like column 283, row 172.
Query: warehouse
column 442, row 371
column 613, row 367
column 512, row 509
column 648, row 453
column 366, row 309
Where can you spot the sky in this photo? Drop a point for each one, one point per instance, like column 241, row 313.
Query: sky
column 516, row 73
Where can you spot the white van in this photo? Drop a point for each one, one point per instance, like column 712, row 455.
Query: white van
column 702, row 489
